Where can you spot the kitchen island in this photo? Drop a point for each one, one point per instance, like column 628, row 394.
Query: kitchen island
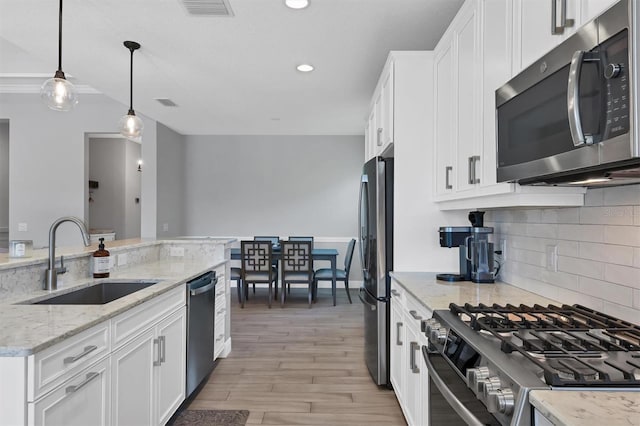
column 49, row 352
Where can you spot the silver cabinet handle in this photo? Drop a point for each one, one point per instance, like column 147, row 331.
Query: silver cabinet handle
column 398, row 341
column 395, row 293
column 415, row 315
column 564, row 22
column 379, row 139
column 87, row 350
column 470, row 172
column 413, row 346
column 75, row 388
column 475, row 178
column 163, row 348
column 447, row 170
column 157, row 362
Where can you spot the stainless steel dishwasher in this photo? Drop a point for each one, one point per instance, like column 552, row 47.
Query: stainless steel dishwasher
column 200, row 334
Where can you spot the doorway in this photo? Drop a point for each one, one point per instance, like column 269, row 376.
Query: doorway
column 114, row 186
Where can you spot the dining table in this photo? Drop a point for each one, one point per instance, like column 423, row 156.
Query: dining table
column 322, row 254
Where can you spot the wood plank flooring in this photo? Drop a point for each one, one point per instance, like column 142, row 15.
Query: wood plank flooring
column 299, row 366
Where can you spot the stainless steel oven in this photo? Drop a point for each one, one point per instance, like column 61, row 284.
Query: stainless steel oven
column 572, row 114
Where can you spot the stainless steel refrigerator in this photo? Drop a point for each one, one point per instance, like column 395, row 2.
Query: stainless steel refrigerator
column 376, row 257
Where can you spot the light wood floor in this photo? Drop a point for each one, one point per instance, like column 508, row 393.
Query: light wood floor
column 299, row 366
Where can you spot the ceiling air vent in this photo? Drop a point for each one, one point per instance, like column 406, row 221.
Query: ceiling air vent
column 166, row 102
column 207, row 7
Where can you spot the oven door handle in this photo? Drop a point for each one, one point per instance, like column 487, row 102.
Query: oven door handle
column 458, row 406
column 573, row 98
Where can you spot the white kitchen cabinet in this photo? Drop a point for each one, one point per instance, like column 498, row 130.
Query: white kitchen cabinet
column 82, row 400
column 407, row 367
column 472, row 60
column 148, row 373
column 535, row 31
column 400, row 90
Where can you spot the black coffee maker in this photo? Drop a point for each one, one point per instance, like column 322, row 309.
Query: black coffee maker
column 475, row 250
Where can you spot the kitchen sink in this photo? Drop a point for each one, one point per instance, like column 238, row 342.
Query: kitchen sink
column 97, row 294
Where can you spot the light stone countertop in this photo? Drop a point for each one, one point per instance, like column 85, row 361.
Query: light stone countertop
column 588, row 408
column 27, row 329
column 435, row 294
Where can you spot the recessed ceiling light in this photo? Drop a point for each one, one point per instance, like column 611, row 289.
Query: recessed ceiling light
column 304, row 68
column 296, row 4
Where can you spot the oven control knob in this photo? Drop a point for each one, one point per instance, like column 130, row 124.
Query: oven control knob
column 475, row 377
column 501, row 401
column 438, row 334
column 612, row 71
column 489, row 385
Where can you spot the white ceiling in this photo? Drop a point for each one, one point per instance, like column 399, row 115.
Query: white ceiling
column 228, row 75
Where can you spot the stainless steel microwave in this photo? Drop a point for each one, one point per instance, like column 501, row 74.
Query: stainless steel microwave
column 572, row 116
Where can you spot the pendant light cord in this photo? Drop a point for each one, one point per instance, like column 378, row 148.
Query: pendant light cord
column 60, row 38
column 131, row 83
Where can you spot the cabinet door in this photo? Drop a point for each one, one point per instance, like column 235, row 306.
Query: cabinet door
column 81, row 401
column 397, row 349
column 386, row 119
column 132, row 374
column 444, row 95
column 593, row 8
column 468, row 82
column 170, row 383
column 377, row 111
column 533, row 28
column 412, row 397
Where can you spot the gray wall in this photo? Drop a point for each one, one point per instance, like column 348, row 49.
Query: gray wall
column 4, row 183
column 132, row 184
column 273, row 185
column 171, row 168
column 48, row 172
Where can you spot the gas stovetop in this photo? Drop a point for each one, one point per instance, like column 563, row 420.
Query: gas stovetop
column 572, row 345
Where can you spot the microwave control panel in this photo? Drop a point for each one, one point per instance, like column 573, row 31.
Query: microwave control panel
column 615, row 58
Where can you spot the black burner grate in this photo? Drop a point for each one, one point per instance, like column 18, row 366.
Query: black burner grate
column 572, row 344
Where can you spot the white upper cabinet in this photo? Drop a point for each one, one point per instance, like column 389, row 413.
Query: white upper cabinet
column 379, row 131
column 479, row 52
column 540, row 25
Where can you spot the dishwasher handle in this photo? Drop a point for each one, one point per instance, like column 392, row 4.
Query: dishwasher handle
column 204, row 289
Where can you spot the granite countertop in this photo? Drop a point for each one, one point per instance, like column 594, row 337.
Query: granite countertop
column 435, row 294
column 27, row 329
column 584, row 408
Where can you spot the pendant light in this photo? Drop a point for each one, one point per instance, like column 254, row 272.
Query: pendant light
column 58, row 93
column 131, row 126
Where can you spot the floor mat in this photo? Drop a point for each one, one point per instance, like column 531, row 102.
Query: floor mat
column 212, row 418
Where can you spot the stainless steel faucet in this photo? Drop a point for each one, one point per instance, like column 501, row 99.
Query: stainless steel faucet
column 51, row 281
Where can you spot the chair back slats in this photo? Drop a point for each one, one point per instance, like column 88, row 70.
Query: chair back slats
column 296, row 257
column 256, row 256
column 349, row 256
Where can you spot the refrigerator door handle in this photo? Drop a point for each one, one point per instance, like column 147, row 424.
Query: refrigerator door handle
column 362, row 233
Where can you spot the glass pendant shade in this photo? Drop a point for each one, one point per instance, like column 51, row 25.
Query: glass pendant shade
column 131, row 126
column 59, row 94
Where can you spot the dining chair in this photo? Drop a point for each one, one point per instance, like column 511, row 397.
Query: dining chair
column 236, row 275
column 326, row 274
column 297, row 266
column 256, row 265
column 275, row 242
column 299, row 238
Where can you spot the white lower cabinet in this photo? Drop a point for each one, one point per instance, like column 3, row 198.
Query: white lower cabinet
column 81, row 401
column 408, row 372
column 148, row 373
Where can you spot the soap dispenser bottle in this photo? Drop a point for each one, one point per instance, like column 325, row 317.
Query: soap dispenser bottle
column 101, row 261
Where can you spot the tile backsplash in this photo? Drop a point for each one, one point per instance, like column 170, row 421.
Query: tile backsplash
column 597, row 251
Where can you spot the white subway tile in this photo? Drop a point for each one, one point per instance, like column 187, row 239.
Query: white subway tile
column 623, row 312
column 608, row 253
column 593, row 233
column 571, row 297
column 542, row 230
column 594, row 197
column 529, row 257
column 586, row 268
column 567, row 248
column 568, row 215
column 620, row 294
column 636, row 257
column 622, row 235
column 526, row 216
column 636, row 298
column 613, row 215
column 622, row 196
column 636, row 215
column 624, row 275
